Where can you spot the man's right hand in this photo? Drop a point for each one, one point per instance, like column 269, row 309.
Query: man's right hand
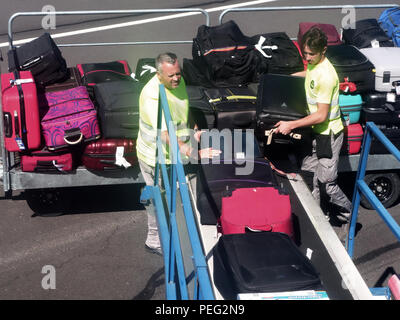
column 209, row 153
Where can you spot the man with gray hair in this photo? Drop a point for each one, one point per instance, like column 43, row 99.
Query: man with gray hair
column 169, row 74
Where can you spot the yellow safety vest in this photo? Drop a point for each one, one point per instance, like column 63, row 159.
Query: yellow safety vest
column 148, row 111
column 322, row 86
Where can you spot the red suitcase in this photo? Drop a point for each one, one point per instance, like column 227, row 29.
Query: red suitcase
column 256, row 209
column 329, row 29
column 102, row 154
column 353, row 136
column 45, row 161
column 20, row 112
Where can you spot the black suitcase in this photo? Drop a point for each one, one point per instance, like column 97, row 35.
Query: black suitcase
column 350, row 63
column 193, row 76
column 42, row 57
column 261, row 262
column 72, row 81
column 201, row 112
column 392, row 133
column 365, row 31
column 235, row 107
column 219, row 179
column 280, row 98
column 92, row 73
column 118, row 108
column 280, row 54
column 378, row 109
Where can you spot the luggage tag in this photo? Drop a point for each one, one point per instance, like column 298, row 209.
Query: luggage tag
column 20, row 144
column 374, row 43
column 119, row 158
column 391, row 97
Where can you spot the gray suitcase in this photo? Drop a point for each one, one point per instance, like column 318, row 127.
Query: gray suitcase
column 387, row 65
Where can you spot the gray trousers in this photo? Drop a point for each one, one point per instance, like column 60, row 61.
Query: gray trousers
column 152, row 239
column 325, row 174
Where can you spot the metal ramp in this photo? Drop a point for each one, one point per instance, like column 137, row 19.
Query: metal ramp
column 187, row 245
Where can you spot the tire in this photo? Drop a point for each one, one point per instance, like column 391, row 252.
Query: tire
column 386, row 187
column 48, row 202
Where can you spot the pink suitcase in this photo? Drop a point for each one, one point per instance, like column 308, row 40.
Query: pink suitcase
column 256, row 209
column 20, row 112
column 44, row 161
column 69, row 118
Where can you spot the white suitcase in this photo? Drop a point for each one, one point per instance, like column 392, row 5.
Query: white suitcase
column 387, row 65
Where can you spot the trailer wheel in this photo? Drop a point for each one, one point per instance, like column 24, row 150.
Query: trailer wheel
column 48, row 202
column 386, row 187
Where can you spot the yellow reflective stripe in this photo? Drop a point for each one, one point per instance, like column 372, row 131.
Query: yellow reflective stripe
column 238, row 97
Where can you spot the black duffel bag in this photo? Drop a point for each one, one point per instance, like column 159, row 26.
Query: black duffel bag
column 42, row 58
column 365, row 31
column 278, row 53
column 225, row 55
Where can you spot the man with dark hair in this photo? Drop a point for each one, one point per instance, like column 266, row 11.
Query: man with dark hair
column 169, row 74
column 322, row 91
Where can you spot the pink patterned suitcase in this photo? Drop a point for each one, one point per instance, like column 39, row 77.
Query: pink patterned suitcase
column 68, row 118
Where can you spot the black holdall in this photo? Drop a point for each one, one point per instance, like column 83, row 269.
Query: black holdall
column 224, row 55
column 42, row 57
column 366, row 34
column 278, row 53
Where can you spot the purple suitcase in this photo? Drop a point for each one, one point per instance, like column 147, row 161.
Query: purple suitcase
column 68, row 118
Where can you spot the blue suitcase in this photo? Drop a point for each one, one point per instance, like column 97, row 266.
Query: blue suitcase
column 390, row 23
column 350, row 106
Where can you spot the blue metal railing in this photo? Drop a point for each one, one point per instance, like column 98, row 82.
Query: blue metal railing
column 371, row 130
column 165, row 201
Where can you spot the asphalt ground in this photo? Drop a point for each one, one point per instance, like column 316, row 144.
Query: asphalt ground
column 96, row 247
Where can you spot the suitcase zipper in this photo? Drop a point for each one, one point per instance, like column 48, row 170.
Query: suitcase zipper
column 84, row 116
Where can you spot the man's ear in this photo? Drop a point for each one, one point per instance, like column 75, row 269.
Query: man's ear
column 324, row 51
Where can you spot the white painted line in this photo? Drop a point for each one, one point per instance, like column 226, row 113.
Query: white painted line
column 143, row 21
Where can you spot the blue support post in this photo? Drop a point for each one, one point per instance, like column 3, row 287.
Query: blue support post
column 166, row 204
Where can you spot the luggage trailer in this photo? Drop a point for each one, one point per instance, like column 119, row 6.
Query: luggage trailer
column 44, row 192
column 319, row 241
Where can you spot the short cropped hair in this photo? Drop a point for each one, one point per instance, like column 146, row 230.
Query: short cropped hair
column 167, row 57
column 315, row 39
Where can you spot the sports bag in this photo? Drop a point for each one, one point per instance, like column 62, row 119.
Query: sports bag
column 277, row 53
column 224, row 54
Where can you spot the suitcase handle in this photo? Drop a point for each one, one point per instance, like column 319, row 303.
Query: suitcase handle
column 7, row 125
column 72, row 134
column 267, row 228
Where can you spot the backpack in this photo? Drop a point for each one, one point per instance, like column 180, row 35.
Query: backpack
column 389, row 21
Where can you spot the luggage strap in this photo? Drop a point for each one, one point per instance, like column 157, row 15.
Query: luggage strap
column 233, row 97
column 23, row 134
